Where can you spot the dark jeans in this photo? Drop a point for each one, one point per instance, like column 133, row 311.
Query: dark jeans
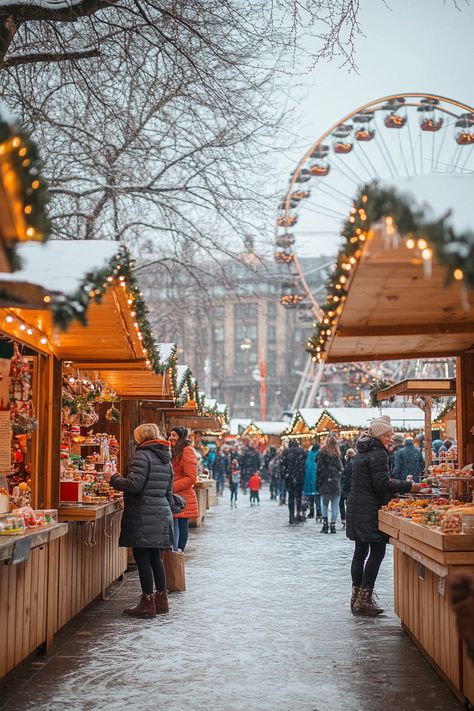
column 295, row 494
column 342, row 506
column 254, row 497
column 233, row 492
column 150, row 567
column 314, row 502
column 220, row 480
column 282, row 491
column 364, row 570
column 181, row 531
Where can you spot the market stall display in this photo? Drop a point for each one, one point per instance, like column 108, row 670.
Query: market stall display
column 408, row 252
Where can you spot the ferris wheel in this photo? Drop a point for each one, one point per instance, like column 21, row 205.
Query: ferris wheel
column 391, row 138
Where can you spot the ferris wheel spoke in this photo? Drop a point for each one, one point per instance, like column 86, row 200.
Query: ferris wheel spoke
column 356, row 179
column 319, row 210
column 468, row 156
column 374, row 169
column 412, row 149
column 341, row 197
column 388, row 153
column 402, row 153
column 382, row 153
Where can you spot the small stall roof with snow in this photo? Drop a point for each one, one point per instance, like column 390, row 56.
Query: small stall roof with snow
column 270, row 432
column 74, row 283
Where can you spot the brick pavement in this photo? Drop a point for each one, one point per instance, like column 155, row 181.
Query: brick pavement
column 265, row 625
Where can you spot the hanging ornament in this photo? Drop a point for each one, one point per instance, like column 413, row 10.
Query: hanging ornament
column 22, row 414
column 113, row 414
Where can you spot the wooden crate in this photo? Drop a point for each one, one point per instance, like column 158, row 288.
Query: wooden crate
column 436, row 539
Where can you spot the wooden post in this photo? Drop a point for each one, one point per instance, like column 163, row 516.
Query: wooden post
column 428, row 435
column 465, row 408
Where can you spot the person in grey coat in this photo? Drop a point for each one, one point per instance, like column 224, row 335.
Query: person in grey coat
column 147, row 521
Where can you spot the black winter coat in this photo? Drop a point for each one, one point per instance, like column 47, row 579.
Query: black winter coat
column 293, row 466
column 147, row 521
column 328, row 474
column 347, row 477
column 371, row 488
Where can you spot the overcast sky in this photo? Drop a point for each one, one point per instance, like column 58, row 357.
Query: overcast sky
column 412, row 46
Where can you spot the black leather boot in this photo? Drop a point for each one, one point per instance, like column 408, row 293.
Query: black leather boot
column 325, row 528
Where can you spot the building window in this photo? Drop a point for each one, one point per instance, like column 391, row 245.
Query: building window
column 218, row 312
column 245, row 331
column 271, row 333
column 271, row 309
column 246, row 312
column 219, row 334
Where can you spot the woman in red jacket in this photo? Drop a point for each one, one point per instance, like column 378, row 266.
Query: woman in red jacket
column 184, row 463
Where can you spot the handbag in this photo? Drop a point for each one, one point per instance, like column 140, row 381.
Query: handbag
column 177, row 503
column 174, row 567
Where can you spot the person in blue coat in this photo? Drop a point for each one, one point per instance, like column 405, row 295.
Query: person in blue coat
column 408, row 461
column 309, row 485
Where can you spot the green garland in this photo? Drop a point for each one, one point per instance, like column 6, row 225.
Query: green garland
column 372, row 204
column 376, row 386
column 27, row 165
column 449, row 407
column 67, row 308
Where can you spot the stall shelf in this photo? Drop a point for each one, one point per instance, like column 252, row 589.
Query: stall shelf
column 403, row 288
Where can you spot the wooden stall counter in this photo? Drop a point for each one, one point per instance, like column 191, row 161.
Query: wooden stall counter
column 423, row 557
column 33, row 537
column 88, row 512
column 201, row 488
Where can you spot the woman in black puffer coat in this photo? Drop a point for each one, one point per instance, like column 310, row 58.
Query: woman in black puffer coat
column 371, row 488
column 147, row 521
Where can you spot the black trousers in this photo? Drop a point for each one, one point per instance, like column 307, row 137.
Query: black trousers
column 150, row 568
column 364, row 570
column 295, row 494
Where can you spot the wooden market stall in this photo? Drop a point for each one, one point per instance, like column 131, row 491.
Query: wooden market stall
column 302, row 426
column 84, row 333
column 265, row 434
column 403, row 288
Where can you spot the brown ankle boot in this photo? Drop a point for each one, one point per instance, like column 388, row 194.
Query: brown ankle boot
column 354, row 596
column 145, row 608
column 161, row 603
column 365, row 604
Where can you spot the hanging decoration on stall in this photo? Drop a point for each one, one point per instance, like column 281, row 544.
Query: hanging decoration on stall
column 376, row 386
column 22, row 413
column 403, row 218
column 113, row 415
column 78, row 398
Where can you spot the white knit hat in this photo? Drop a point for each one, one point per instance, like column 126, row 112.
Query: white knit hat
column 380, row 426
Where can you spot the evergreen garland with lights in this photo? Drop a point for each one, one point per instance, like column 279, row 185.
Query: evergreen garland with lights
column 23, row 156
column 402, row 215
column 376, row 386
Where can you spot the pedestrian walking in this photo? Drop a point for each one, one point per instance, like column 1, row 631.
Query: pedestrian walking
column 408, row 462
column 274, row 470
column 371, row 488
column 346, row 484
column 293, row 462
column 398, row 441
column 255, row 484
column 234, row 482
column 147, row 521
column 220, row 470
column 309, row 485
column 184, row 462
column 250, row 463
column 329, row 475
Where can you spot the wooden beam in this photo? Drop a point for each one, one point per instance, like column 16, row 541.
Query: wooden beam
column 121, row 365
column 415, row 329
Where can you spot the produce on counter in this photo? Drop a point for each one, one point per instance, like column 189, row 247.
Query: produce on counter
column 437, row 512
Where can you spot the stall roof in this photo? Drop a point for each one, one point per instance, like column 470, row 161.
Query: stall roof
column 360, row 417
column 428, row 386
column 269, row 428
column 402, row 302
column 237, row 425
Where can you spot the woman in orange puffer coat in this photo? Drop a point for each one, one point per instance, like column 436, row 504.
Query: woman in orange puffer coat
column 184, row 463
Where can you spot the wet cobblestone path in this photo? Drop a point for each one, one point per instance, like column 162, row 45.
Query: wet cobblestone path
column 265, row 625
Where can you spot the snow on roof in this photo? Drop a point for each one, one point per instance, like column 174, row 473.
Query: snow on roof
column 311, row 415
column 401, row 417
column 181, row 372
column 209, row 403
column 166, row 351
column 235, row 425
column 221, row 408
column 271, row 428
column 60, row 266
column 439, row 193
